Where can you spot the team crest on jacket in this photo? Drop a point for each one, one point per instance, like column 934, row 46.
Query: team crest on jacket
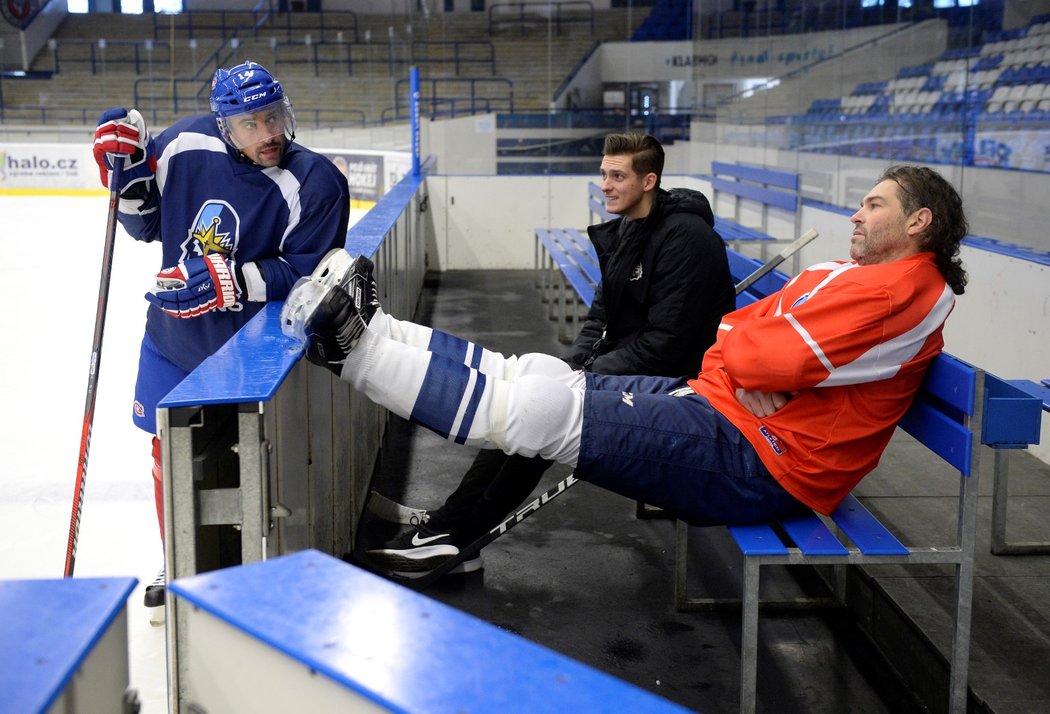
column 215, row 230
column 636, row 274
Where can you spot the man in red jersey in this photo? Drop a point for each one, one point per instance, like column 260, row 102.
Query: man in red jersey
column 793, row 405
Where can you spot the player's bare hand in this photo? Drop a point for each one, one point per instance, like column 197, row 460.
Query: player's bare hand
column 762, row 404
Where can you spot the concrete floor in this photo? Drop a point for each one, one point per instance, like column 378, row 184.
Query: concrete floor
column 588, row 578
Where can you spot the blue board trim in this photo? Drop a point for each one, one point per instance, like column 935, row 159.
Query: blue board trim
column 48, row 629
column 329, row 616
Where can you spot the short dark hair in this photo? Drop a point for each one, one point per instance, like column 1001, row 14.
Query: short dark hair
column 920, row 187
column 647, row 155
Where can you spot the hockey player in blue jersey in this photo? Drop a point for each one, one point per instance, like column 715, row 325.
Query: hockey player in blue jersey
column 241, row 212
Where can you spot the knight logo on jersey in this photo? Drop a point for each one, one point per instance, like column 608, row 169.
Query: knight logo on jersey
column 216, row 229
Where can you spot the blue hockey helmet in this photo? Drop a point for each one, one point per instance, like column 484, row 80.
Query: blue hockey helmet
column 249, row 88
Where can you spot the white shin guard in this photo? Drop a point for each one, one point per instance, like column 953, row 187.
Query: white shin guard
column 538, row 412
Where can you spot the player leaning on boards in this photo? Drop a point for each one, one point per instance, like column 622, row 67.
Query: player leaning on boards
column 241, row 212
column 793, row 406
column 664, row 288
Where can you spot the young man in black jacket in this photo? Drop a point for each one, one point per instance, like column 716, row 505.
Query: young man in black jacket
column 665, row 286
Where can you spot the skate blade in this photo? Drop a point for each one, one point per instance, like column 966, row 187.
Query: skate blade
column 299, row 306
column 333, row 268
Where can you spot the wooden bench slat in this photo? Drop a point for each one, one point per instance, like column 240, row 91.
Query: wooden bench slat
column 866, row 532
column 732, row 232
column 812, row 536
column 945, row 437
column 596, row 202
column 758, row 540
column 952, row 381
column 769, row 196
column 566, row 265
column 783, row 179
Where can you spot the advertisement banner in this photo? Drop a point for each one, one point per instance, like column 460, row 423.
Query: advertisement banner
column 70, row 169
column 364, row 173
column 49, row 168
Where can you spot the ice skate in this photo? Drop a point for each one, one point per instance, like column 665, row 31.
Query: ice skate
column 338, row 268
column 354, row 275
column 332, row 328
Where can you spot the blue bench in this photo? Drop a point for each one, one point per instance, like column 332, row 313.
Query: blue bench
column 757, row 197
column 565, row 259
column 322, row 635
column 1001, row 545
column 960, row 408
column 596, row 204
column 741, row 266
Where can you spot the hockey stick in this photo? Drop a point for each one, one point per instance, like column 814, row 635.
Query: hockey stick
column 428, row 578
column 776, row 260
column 96, row 357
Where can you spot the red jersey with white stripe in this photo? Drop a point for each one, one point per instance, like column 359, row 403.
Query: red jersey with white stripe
column 851, row 343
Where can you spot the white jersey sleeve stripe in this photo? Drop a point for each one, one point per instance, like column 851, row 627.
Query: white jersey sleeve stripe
column 289, row 186
column 885, row 359
column 187, row 141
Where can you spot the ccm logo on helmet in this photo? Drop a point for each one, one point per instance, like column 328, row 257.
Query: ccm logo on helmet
column 253, row 97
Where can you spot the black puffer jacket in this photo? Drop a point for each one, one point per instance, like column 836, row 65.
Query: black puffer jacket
column 665, row 286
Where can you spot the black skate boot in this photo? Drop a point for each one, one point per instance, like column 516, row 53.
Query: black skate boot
column 332, row 330
column 354, row 275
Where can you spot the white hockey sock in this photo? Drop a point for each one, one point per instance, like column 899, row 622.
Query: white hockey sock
column 469, row 353
column 535, row 414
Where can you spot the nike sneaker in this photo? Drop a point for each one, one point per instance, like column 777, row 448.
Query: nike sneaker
column 416, row 551
column 471, row 565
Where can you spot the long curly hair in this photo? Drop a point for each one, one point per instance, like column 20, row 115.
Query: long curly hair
column 920, row 187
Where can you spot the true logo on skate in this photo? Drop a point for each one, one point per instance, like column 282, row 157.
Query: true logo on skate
column 773, row 441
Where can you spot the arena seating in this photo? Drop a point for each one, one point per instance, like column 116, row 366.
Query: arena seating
column 938, row 111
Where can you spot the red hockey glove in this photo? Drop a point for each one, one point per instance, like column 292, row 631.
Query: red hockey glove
column 122, row 135
column 196, row 286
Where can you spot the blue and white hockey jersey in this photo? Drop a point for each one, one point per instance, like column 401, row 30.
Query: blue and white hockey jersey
column 208, row 199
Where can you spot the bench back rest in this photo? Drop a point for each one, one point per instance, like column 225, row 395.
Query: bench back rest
column 940, row 415
column 753, row 195
column 741, row 266
column 958, row 402
column 596, row 204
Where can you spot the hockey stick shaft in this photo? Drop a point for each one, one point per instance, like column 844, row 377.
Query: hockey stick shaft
column 789, row 250
column 468, row 552
column 93, row 367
